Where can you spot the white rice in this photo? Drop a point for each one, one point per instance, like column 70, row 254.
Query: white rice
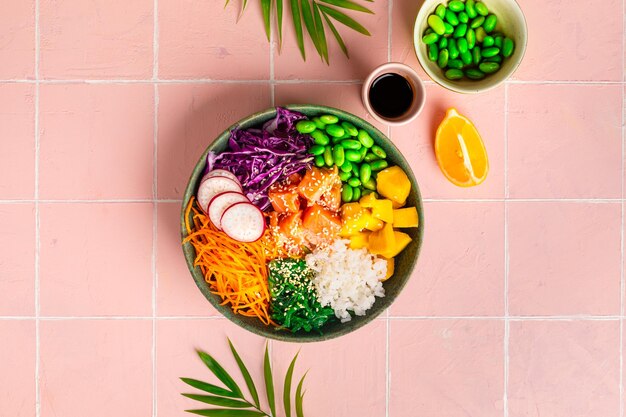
column 347, row 279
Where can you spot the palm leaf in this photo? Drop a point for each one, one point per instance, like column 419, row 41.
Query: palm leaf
column 225, row 412
column 269, row 382
column 266, row 6
column 297, row 24
column 210, row 388
column 287, row 387
column 222, row 402
column 279, row 17
column 345, row 19
column 299, row 398
column 220, row 373
column 347, row 4
column 307, row 16
column 319, row 27
column 338, row 38
column 246, row 375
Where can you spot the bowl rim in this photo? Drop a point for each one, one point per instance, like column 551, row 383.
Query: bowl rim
column 449, row 85
column 271, row 332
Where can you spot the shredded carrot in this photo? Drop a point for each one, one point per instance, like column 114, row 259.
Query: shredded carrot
column 235, row 271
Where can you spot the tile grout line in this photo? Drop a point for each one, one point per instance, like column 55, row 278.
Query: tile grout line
column 37, row 220
column 505, row 344
column 622, row 284
column 155, row 209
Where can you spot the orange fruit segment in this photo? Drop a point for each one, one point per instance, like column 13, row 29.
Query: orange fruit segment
column 460, row 151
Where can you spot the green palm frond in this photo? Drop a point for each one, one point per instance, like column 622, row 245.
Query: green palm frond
column 231, row 400
column 317, row 15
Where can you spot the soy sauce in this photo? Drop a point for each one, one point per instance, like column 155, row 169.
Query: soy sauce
column 391, row 95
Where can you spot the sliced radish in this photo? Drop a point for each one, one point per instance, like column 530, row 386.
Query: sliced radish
column 221, row 173
column 243, row 222
column 219, row 204
column 213, row 186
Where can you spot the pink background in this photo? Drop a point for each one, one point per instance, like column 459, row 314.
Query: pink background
column 516, row 306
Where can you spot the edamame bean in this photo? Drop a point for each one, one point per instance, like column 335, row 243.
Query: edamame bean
column 481, row 9
column 489, row 41
column 476, row 55
column 346, row 166
column 489, row 52
column 354, row 182
column 316, row 150
column 470, row 9
column 356, row 194
column 460, row 31
column 462, row 45
column 365, row 173
column 305, row 126
column 463, row 17
column 362, row 153
column 318, row 123
column 507, row 47
column 433, row 52
column 441, row 11
column 466, row 57
column 379, row 152
column 498, row 42
column 353, row 156
column 496, row 58
column 346, row 193
column 350, row 128
column 430, row 38
column 456, row 6
column 381, row 163
column 481, row 35
column 455, row 64
column 490, row 23
column 471, row 38
column 474, row 74
column 370, row 157
column 320, row 137
column 443, row 43
column 451, row 17
column 344, row 176
column 365, row 138
column 449, row 29
column 442, row 62
column 335, row 130
column 436, row 24
column 339, row 155
column 329, row 119
column 370, row 184
column 453, row 49
column 351, row 144
column 477, row 22
column 489, row 67
column 328, row 156
column 319, row 161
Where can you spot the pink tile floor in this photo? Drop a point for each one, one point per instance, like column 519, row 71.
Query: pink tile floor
column 517, row 304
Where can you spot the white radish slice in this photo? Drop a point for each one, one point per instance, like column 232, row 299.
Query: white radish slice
column 219, row 204
column 221, row 173
column 243, row 222
column 213, row 186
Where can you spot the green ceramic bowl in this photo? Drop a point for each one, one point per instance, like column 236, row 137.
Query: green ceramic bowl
column 404, row 262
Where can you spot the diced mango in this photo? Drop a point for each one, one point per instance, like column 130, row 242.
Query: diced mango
column 359, row 240
column 370, row 222
column 351, row 219
column 390, row 268
column 383, row 210
column 400, row 241
column 406, row 217
column 383, row 241
column 368, row 200
column 394, row 184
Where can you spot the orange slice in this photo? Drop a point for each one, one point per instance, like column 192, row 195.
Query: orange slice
column 460, row 151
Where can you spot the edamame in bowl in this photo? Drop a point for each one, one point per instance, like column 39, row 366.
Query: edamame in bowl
column 469, row 46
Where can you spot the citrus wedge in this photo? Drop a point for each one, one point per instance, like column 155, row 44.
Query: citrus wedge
column 460, row 151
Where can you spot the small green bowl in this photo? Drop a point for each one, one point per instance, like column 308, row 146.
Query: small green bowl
column 404, row 262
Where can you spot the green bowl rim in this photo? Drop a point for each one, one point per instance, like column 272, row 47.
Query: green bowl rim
column 270, row 332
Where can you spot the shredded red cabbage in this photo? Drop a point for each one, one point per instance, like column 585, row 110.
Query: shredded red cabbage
column 262, row 157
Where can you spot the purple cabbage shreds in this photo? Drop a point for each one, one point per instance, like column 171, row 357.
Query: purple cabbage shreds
column 259, row 158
